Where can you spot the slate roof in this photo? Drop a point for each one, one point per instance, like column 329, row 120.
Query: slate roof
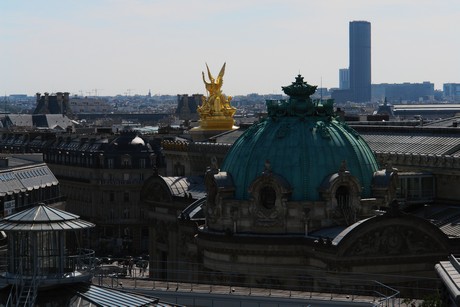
column 416, row 140
column 444, row 122
column 447, row 218
column 52, row 121
column 20, row 120
column 23, row 179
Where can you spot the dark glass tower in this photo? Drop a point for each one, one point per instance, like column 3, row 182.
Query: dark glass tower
column 360, row 61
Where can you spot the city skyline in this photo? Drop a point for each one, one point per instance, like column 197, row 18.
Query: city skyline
column 130, row 47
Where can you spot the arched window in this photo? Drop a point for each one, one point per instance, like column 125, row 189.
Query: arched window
column 342, row 195
column 267, row 197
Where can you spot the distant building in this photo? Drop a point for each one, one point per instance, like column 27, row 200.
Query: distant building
column 344, row 79
column 53, row 104
column 451, row 91
column 89, row 105
column 360, row 60
column 427, row 111
column 403, row 92
column 385, row 109
column 359, row 71
column 321, row 93
column 187, row 106
column 18, row 96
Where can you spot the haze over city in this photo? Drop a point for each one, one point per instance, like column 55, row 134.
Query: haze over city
column 130, row 47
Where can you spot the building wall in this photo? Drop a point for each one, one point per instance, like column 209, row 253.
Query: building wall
column 103, row 185
column 112, row 204
column 444, row 169
column 191, row 159
column 360, row 60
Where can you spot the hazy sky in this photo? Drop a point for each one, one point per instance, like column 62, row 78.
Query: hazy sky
column 114, row 47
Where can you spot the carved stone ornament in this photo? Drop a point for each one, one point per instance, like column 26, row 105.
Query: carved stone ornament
column 396, row 240
column 213, row 202
column 270, row 192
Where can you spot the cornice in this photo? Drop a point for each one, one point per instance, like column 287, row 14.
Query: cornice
column 418, row 160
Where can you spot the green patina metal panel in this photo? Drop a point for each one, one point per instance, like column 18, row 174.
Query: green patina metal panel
column 304, row 143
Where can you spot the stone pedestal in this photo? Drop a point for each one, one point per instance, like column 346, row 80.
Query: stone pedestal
column 201, row 135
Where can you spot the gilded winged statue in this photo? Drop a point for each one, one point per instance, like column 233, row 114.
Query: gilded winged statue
column 215, row 103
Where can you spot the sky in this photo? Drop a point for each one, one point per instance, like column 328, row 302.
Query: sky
column 128, row 47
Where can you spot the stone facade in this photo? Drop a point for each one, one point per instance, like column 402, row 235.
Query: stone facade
column 102, row 178
column 259, row 229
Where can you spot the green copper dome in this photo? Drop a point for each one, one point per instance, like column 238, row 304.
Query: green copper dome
column 302, row 141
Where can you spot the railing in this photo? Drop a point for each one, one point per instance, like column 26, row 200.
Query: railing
column 82, row 260
column 23, row 292
column 296, row 286
column 28, row 293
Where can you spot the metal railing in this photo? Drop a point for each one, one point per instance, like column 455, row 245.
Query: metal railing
column 298, row 285
column 81, row 260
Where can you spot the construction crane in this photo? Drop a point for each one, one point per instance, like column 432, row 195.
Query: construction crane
column 95, row 91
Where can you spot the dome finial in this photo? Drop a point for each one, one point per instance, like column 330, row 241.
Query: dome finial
column 299, row 89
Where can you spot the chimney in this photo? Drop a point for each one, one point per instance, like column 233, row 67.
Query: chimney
column 66, row 105
column 59, row 99
column 46, row 106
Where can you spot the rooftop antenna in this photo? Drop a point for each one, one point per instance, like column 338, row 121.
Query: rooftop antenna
column 321, row 89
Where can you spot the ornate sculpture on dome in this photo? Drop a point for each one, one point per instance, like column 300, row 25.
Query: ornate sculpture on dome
column 216, row 113
column 300, row 104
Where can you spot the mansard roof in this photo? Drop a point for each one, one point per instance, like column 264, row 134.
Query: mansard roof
column 22, row 177
column 51, row 121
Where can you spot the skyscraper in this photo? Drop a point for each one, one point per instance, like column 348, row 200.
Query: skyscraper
column 344, row 80
column 360, row 60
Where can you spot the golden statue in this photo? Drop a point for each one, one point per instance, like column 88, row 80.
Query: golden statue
column 215, row 111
